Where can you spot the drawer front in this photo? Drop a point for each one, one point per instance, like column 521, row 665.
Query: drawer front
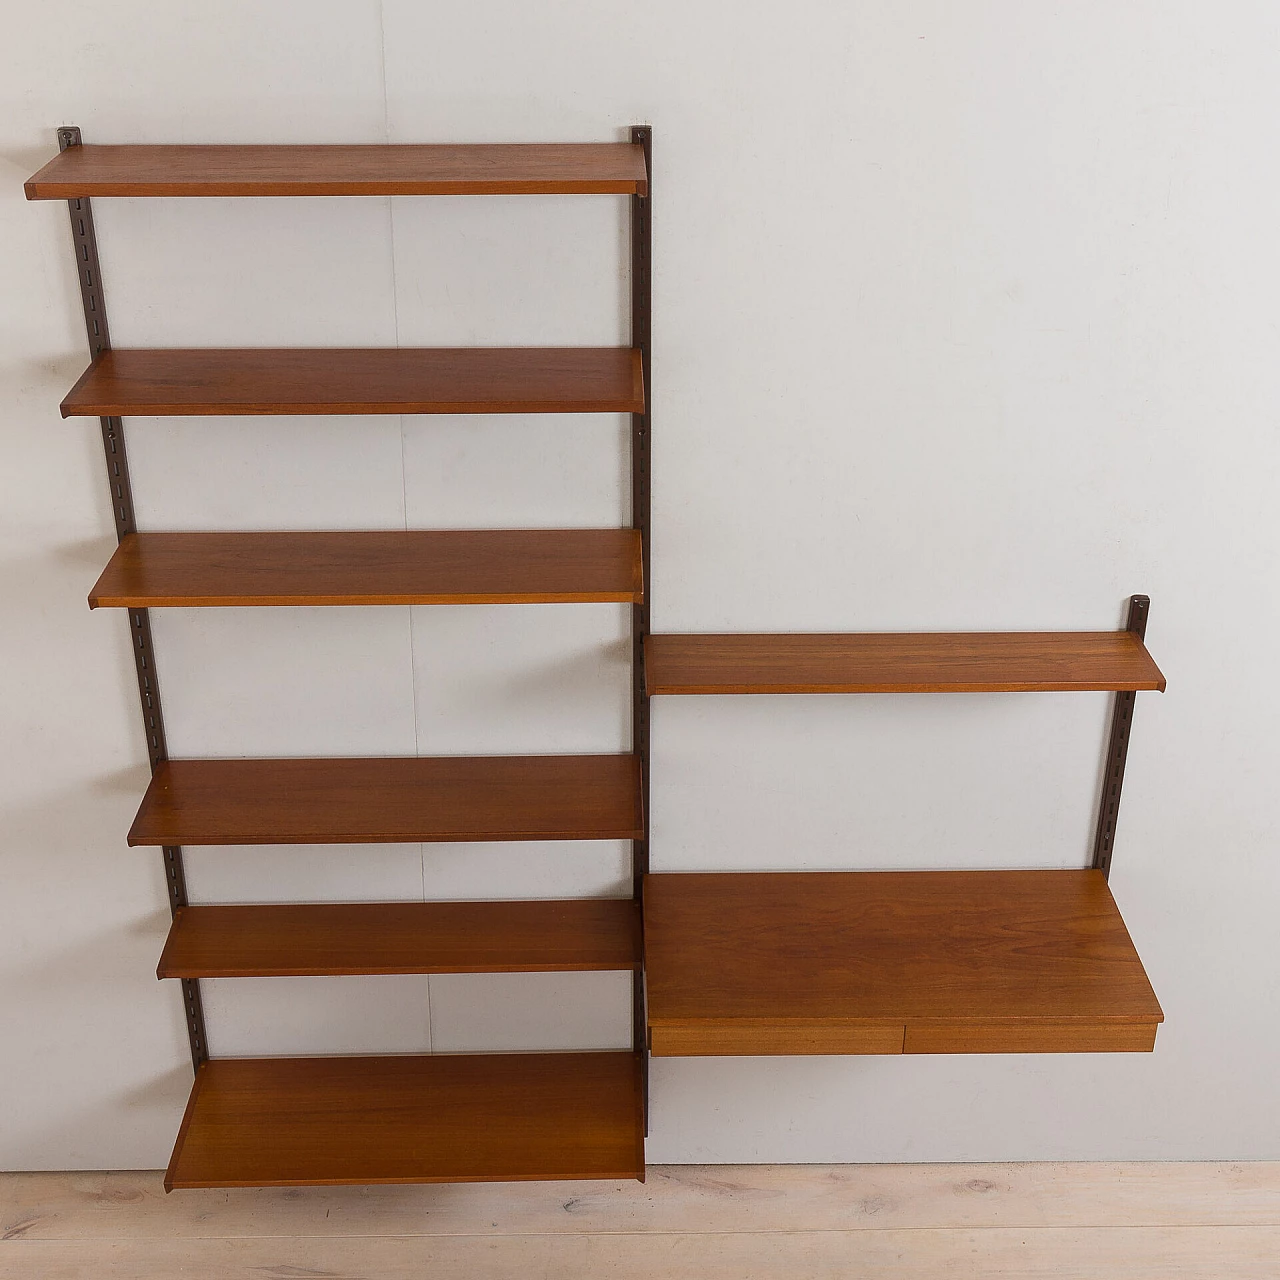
column 751, row 1037
column 1030, row 1037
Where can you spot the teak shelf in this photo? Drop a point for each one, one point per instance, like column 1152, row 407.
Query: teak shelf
column 388, row 800
column 892, row 962
column 403, row 566
column 341, row 381
column 402, row 937
column 923, row 662
column 779, row 963
column 590, row 168
column 266, row 1122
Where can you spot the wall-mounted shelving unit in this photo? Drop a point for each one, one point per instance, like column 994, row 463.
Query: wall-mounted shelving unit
column 491, row 1117
column 780, row 963
column 909, row 961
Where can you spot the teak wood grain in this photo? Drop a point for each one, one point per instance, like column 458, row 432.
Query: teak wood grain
column 856, row 962
column 395, row 567
column 912, row 662
column 319, row 380
column 394, row 799
column 259, row 1122
column 402, row 937
column 579, row 168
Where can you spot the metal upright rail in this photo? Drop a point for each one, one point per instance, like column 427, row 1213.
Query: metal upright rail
column 641, row 315
column 1118, row 750
column 95, row 320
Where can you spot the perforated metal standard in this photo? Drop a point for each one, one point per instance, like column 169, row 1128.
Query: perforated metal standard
column 89, row 273
column 641, row 316
column 1118, row 750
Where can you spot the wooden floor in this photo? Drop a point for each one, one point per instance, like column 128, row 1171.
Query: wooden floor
column 766, row 1222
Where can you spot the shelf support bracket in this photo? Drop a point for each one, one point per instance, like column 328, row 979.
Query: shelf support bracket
column 89, row 274
column 1118, row 750
column 641, row 315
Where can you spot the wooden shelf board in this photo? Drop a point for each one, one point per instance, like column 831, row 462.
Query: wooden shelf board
column 395, row 567
column 582, row 168
column 263, row 1122
column 883, row 662
column 402, row 937
column 374, row 800
column 321, row 380
column 892, row 962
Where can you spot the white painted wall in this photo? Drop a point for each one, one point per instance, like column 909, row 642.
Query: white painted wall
column 965, row 318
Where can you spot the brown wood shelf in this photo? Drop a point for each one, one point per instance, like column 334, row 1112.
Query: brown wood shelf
column 913, row 662
column 263, row 1122
column 167, row 382
column 374, row 800
column 581, row 168
column 395, row 567
column 402, row 937
column 892, row 962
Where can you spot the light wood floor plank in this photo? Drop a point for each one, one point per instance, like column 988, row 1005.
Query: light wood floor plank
column 676, row 1198
column 1116, row 1253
